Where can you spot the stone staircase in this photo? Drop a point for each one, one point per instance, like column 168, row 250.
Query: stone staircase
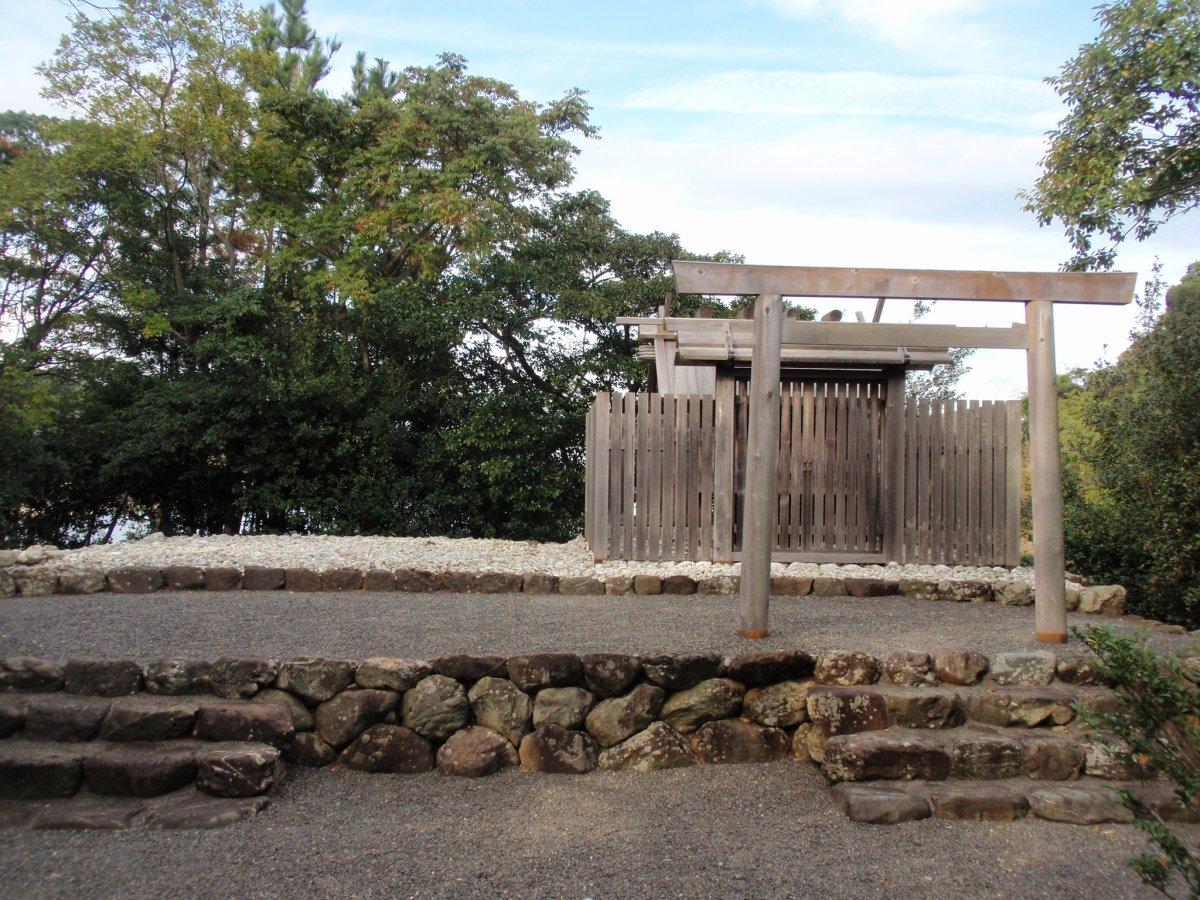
column 987, row 751
column 187, row 762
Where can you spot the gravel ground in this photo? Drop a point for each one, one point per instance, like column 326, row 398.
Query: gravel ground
column 360, row 624
column 438, row 554
column 721, row 831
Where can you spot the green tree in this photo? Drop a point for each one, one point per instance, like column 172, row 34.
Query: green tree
column 1126, row 157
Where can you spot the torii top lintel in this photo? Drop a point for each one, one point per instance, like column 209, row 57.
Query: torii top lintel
column 905, row 284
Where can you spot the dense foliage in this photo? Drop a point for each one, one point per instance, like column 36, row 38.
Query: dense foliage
column 1132, row 462
column 1126, row 157
column 1153, row 728
column 231, row 301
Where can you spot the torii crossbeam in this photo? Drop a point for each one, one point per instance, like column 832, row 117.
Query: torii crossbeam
column 1039, row 291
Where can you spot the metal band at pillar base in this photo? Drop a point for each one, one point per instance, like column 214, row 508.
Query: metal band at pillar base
column 752, row 635
column 1051, row 637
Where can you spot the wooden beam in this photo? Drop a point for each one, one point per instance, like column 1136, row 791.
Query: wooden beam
column 1049, row 571
column 758, row 515
column 790, row 355
column 907, row 284
column 839, row 334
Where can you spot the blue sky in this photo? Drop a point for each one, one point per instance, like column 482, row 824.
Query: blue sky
column 807, row 132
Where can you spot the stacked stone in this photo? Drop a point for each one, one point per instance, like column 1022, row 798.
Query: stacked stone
column 37, row 580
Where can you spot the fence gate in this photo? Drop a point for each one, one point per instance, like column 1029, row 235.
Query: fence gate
column 665, row 476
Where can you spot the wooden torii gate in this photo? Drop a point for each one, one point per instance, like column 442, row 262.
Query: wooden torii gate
column 1039, row 291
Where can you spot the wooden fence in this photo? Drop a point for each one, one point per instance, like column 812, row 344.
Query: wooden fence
column 665, row 476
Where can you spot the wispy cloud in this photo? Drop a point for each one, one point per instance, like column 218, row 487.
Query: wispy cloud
column 987, row 99
column 938, row 31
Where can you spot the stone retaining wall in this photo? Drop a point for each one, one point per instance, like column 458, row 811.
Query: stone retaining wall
column 44, row 581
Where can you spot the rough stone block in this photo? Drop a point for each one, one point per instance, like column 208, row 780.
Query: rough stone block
column 715, row 698
column 475, row 752
column 555, row 750
column 1051, row 757
column 678, row 585
column 35, row 581
column 91, row 582
column 984, row 755
column 134, row 581
column 889, row 755
column 618, row 585
column 139, row 719
column 238, row 771
column 565, row 706
column 470, row 668
column 1082, row 670
column 80, row 816
column 389, row 748
column 726, row 585
column 501, row 706
column 539, row 583
column 137, row 771
column 309, row 750
column 12, row 716
column 733, row 741
column 978, row 803
column 647, row 584
column 183, row 578
column 28, row 673
column 1011, row 592
column 342, row 580
column 756, row 669
column 847, row 668
column 846, row 710
column 826, row 586
column 541, row 670
column 616, row 719
column 1029, row 669
column 177, row 676
column 56, row 717
column 222, row 578
column 779, row 705
column 257, row 722
column 379, row 581
column 302, row 719
column 416, row 581
column 315, row 680
column 1103, row 599
column 302, row 580
column 31, row 771
column 581, row 585
column 963, row 667
column 102, row 677
column 910, row 668
column 966, row 591
column 919, row 588
column 205, row 812
column 657, row 747
column 1078, row 805
column 924, row 708
column 681, row 671
column 262, row 578
column 346, row 716
column 871, row 587
column 878, row 805
column 233, row 677
column 609, row 674
column 1028, row 707
column 789, row 586
column 392, row 674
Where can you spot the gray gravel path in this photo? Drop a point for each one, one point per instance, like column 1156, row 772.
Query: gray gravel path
column 357, row 625
column 722, row 831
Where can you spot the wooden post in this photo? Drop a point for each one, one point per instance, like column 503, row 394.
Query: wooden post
column 758, row 515
column 1049, row 570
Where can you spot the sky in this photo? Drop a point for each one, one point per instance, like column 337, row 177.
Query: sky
column 888, row 133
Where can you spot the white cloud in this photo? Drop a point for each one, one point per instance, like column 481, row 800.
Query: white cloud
column 987, row 99
column 937, row 31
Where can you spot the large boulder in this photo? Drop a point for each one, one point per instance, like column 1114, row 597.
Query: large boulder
column 315, row 680
column 886, row 755
column 308, row 749
column 54, row 717
column 501, row 706
column 555, row 750
column 1051, row 756
column 436, row 707
column 1029, row 707
column 177, row 676
column 33, row 771
column 344, row 717
column 565, row 706
column 909, row 668
column 779, row 705
column 618, row 718
column 144, row 719
column 657, row 747
column 985, row 755
column 924, row 708
column 1011, row 592
column 609, row 674
column 1077, row 805
column 388, row 748
column 965, row 591
column 474, row 752
column 469, row 668
column 738, row 741
column 716, row 698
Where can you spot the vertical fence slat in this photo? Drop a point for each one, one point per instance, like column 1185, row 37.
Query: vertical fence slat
column 1012, row 484
column 987, row 418
column 723, row 440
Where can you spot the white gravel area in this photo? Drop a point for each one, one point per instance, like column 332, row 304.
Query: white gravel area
column 441, row 554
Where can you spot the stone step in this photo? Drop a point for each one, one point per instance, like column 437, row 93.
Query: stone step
column 845, row 710
column 975, row 751
column 145, row 717
column 1088, row 801
column 31, row 769
column 187, row 808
